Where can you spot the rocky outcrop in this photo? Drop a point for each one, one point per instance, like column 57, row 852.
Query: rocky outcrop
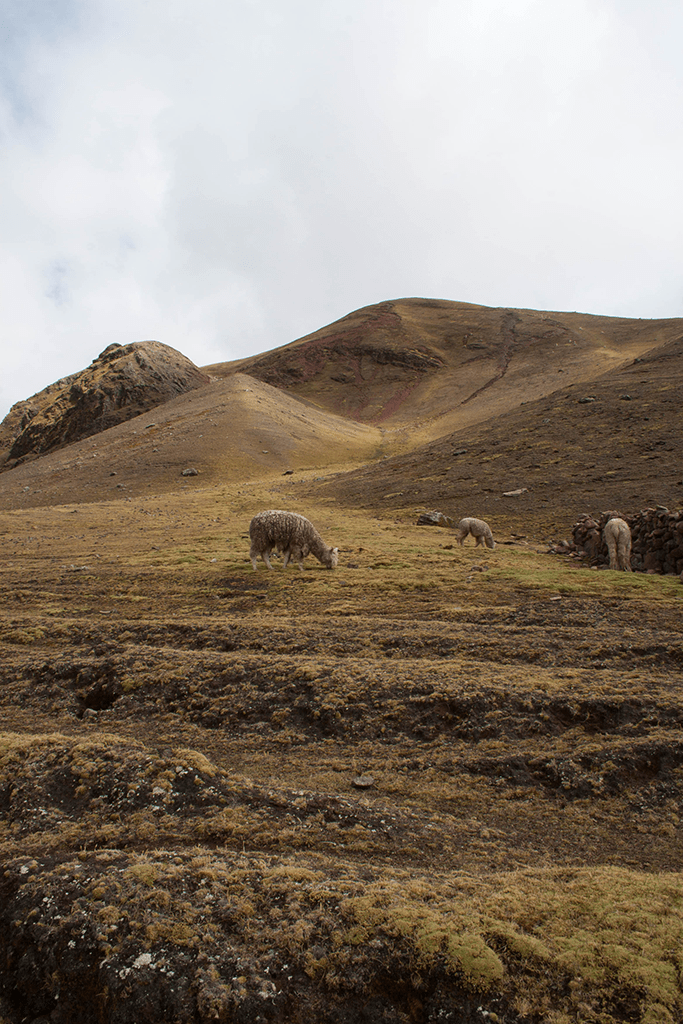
column 124, row 381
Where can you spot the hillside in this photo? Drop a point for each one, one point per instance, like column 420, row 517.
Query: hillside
column 437, row 784
column 384, row 381
column 237, row 429
column 428, row 367
column 613, row 442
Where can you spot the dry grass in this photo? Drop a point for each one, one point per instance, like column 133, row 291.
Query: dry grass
column 520, row 717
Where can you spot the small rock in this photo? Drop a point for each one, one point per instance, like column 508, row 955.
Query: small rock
column 363, row 782
column 288, row 472
column 190, row 472
column 113, row 473
column 435, row 519
column 89, row 713
column 625, row 398
column 459, row 451
column 588, row 398
column 514, row 494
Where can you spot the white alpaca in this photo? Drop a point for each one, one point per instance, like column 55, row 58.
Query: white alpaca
column 290, row 534
column 480, row 530
column 617, row 537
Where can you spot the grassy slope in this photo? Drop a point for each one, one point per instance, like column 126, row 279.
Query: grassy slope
column 619, row 450
column 520, row 848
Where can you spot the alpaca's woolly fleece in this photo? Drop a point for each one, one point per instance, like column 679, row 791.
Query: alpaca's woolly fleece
column 480, row 530
column 617, row 536
column 292, row 535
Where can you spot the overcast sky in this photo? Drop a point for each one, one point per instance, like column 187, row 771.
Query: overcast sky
column 227, row 175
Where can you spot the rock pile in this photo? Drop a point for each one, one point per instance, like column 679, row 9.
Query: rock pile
column 657, row 539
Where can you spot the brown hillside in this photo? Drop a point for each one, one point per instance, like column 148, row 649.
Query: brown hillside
column 612, row 443
column 435, row 784
column 122, row 382
column 382, row 381
column 434, row 366
column 233, row 430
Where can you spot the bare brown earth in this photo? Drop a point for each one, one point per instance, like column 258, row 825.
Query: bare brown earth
column 435, row 784
column 611, row 443
column 425, row 367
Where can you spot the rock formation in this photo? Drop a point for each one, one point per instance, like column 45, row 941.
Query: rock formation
column 122, row 382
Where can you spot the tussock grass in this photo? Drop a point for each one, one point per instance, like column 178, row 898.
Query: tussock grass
column 517, row 842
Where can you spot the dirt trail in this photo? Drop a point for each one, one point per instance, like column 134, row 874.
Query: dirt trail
column 508, row 346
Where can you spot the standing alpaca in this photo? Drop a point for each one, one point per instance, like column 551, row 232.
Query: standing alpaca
column 292, row 535
column 617, row 537
column 480, row 530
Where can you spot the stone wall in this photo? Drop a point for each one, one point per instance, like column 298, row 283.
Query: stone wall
column 657, row 539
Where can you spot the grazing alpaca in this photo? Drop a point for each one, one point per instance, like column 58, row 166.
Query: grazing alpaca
column 292, row 535
column 480, row 530
column 617, row 537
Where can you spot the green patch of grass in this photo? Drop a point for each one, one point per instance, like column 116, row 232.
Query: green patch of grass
column 545, row 572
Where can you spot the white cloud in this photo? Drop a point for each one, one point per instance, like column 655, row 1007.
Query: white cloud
column 227, row 177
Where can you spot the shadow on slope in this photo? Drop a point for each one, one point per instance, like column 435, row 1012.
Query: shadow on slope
column 613, row 443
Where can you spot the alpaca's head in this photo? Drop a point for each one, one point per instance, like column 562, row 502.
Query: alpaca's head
column 331, row 562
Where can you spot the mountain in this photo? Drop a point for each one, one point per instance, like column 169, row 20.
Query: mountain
column 415, row 402
column 122, row 382
column 611, row 442
column 426, row 367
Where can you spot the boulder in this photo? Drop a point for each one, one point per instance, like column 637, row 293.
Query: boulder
column 435, row 519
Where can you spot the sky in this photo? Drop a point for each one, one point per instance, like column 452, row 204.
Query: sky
column 225, row 176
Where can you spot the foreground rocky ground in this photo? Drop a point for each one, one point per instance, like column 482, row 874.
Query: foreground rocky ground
column 437, row 784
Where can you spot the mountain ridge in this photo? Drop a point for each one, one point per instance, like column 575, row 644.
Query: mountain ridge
column 434, row 365
column 428, row 374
